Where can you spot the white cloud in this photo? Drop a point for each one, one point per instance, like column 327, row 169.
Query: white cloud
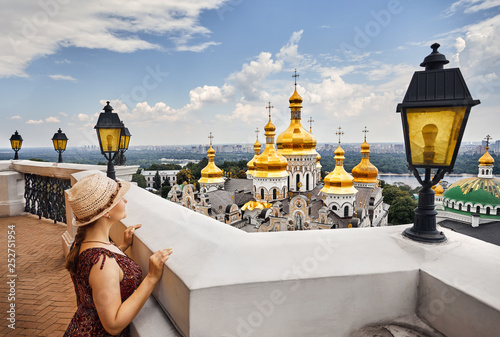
column 15, row 117
column 52, row 120
column 197, row 48
column 31, row 121
column 210, row 94
column 471, row 6
column 39, row 28
column 63, row 114
column 63, row 77
column 83, row 117
column 249, row 79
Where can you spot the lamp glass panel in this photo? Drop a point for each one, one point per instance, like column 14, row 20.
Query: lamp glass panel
column 59, row 144
column 433, row 134
column 110, row 139
column 127, row 141
column 124, row 140
column 16, row 144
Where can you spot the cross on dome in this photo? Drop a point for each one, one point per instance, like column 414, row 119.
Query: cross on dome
column 269, row 107
column 365, row 132
column 257, row 133
column 210, row 137
column 339, row 133
column 310, row 123
column 488, row 137
column 295, row 75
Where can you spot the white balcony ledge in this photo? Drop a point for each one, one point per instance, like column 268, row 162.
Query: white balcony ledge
column 221, row 281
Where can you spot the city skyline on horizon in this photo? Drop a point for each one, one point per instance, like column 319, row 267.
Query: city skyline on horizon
column 175, row 72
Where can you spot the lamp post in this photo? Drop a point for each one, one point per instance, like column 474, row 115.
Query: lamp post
column 124, row 141
column 16, row 141
column 109, row 129
column 434, row 113
column 60, row 140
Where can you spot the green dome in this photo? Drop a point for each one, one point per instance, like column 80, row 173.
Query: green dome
column 483, row 191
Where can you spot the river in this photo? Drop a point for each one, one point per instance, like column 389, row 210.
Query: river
column 410, row 180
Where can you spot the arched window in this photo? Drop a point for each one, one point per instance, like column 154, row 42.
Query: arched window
column 498, row 211
column 307, row 182
column 468, row 208
column 346, row 211
column 487, row 211
column 478, row 209
column 459, row 207
column 453, row 204
column 482, row 172
column 334, row 208
column 274, row 194
column 288, row 182
column 262, row 193
column 297, row 181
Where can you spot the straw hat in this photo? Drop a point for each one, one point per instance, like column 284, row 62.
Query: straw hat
column 93, row 196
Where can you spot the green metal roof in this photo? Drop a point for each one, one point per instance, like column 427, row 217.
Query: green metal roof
column 484, row 191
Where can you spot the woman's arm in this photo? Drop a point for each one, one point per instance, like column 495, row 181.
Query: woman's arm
column 105, row 283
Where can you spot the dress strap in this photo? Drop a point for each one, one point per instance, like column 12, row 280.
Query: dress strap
column 103, row 260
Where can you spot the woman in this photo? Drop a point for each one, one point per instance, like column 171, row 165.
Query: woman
column 109, row 291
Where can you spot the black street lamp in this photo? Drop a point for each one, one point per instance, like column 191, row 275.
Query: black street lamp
column 60, row 140
column 434, row 113
column 16, row 141
column 109, row 129
column 124, row 141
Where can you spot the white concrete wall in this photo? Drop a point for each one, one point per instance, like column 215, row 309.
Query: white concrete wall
column 221, row 281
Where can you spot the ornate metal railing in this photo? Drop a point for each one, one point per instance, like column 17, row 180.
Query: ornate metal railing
column 45, row 196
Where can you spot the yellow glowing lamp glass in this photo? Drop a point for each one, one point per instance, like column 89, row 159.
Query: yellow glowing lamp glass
column 124, row 141
column 110, row 139
column 433, row 134
column 16, row 144
column 59, row 144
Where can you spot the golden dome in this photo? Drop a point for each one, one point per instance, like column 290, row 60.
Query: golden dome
column 295, row 140
column 318, row 159
column 438, row 189
column 339, row 181
column 295, row 100
column 270, row 164
column 251, row 163
column 486, row 159
column 211, row 174
column 365, row 172
column 252, row 204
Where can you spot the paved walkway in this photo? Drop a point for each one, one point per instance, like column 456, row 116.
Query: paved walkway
column 44, row 295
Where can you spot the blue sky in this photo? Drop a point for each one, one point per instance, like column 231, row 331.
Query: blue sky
column 177, row 70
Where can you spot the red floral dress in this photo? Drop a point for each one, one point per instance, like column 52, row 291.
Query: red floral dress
column 85, row 322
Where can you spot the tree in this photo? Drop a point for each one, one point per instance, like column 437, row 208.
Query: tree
column 241, row 174
column 139, row 179
column 184, row 175
column 157, row 181
column 164, row 191
column 391, row 192
column 402, row 210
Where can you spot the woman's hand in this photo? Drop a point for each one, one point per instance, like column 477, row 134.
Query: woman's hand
column 156, row 262
column 128, row 235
